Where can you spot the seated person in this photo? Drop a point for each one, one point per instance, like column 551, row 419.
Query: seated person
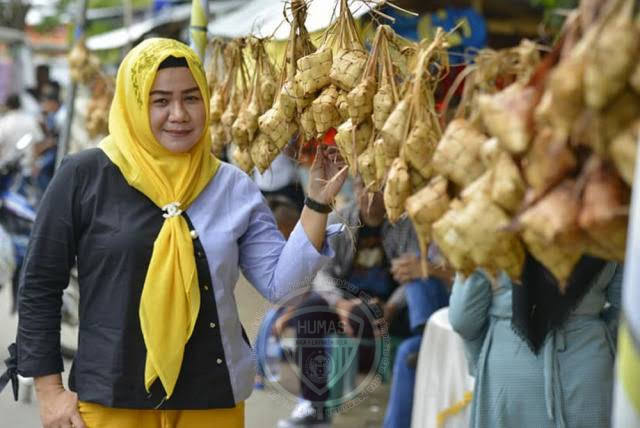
column 363, row 259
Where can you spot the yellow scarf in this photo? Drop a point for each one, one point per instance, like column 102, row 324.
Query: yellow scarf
column 170, row 297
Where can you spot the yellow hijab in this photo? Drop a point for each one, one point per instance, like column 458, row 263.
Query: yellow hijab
column 170, row 297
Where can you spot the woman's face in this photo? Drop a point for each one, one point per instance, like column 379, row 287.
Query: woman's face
column 176, row 109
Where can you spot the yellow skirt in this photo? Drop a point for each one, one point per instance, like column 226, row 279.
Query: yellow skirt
column 97, row 416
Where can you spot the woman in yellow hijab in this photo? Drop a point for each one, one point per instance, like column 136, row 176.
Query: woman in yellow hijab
column 159, row 229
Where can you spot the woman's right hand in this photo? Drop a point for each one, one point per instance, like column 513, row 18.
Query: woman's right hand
column 58, row 407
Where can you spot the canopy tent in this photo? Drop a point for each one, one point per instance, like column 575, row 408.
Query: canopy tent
column 264, row 18
column 120, row 37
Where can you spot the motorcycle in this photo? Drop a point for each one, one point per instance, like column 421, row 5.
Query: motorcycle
column 17, row 216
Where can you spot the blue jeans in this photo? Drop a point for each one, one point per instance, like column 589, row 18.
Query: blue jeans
column 424, row 297
column 404, row 378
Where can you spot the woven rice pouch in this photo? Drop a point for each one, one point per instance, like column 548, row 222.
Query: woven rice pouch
column 219, row 138
column 508, row 187
column 481, row 187
column 275, row 125
column 507, row 116
column 397, row 189
column 619, row 115
column 490, row 245
column 429, row 204
column 604, row 213
column 345, row 141
column 217, row 105
column 313, row 71
column 308, row 124
column 324, row 110
column 550, row 230
column 246, row 124
column 419, row 148
column 458, row 153
column 231, row 111
column 242, row 159
column 347, row 68
column 490, row 152
column 611, row 58
column 263, row 152
column 367, row 169
column 634, row 79
column 383, row 163
column 383, row 105
column 417, row 180
column 343, row 105
column 623, row 152
column 287, row 99
column 548, row 161
column 394, row 130
column 452, row 241
column 360, row 100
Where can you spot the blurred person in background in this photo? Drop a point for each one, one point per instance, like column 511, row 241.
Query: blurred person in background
column 381, row 260
column 540, row 358
column 15, row 124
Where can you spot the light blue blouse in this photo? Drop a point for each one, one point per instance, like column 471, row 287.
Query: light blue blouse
column 238, row 231
column 568, row 384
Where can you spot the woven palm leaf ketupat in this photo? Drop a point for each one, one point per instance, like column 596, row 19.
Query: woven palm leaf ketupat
column 343, row 105
column 395, row 128
column 308, row 124
column 263, row 152
column 276, row 126
column 451, row 240
column 313, row 71
column 563, row 99
column 325, row 112
column 419, row 148
column 597, row 129
column 634, row 79
column 349, row 137
column 430, row 203
column 397, row 189
column 617, row 46
column 508, row 187
column 489, row 244
column 550, row 230
column 242, row 158
column 507, row 115
column 287, row 100
column 383, row 105
column 490, row 152
column 383, row 163
column 548, row 161
column 417, row 180
column 481, row 187
column 218, row 138
column 604, row 212
column 458, row 153
column 367, row 169
column 347, row 68
column 217, row 105
column 245, row 126
column 360, row 100
column 623, row 151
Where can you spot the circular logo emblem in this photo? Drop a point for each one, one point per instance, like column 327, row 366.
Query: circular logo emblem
column 319, row 366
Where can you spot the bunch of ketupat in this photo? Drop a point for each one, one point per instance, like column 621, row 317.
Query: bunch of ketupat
column 230, row 83
column 102, row 92
column 544, row 164
column 83, row 65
